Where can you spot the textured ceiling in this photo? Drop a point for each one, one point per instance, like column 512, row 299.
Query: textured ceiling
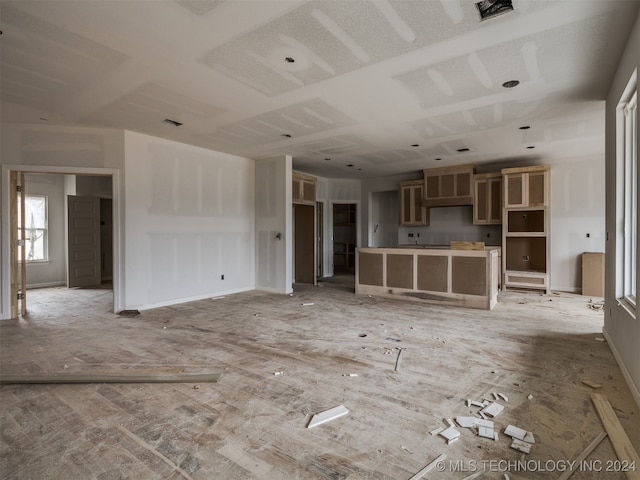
column 370, row 78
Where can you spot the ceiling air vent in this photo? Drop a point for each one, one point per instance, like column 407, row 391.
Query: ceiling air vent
column 492, row 8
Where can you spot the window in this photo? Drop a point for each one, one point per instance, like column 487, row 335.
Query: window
column 35, row 231
column 628, row 192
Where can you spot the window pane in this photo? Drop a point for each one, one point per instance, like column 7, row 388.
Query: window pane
column 35, row 227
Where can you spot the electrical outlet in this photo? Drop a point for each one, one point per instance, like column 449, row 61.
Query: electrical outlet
column 411, row 235
column 588, row 235
column 525, row 258
column 222, row 277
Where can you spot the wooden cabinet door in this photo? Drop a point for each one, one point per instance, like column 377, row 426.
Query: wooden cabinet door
column 537, row 189
column 494, row 205
column 412, row 213
column 481, row 202
column 514, row 186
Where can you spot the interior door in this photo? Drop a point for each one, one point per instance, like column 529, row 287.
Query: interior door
column 83, row 241
column 304, row 243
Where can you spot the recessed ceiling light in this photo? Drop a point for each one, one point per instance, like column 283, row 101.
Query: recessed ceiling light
column 465, row 149
column 289, row 59
column 359, row 169
column 511, row 83
column 351, row 165
column 44, row 119
column 175, row 123
column 327, row 159
column 286, row 135
column 437, row 159
column 524, row 127
column 415, row 145
column 531, row 146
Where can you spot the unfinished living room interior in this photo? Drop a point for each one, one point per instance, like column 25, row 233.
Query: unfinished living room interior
column 319, row 239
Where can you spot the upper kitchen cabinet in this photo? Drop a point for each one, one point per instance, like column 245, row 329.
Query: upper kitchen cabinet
column 448, row 186
column 303, row 189
column 526, row 187
column 412, row 213
column 487, row 204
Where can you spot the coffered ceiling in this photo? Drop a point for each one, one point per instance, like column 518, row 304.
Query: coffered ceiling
column 386, row 86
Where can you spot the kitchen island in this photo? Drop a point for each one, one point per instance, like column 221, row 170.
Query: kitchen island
column 441, row 275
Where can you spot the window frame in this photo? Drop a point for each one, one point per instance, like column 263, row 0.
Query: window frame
column 627, row 187
column 45, row 230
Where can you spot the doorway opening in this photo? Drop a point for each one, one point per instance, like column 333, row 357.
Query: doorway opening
column 344, row 237
column 70, row 245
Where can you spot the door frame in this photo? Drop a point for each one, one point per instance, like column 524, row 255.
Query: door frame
column 5, row 228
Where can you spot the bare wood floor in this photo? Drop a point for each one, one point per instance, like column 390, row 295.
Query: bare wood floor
column 252, row 423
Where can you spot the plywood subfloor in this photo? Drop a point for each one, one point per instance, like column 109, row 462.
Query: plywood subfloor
column 252, row 423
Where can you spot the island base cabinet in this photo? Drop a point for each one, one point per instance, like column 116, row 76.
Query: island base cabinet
column 467, row 278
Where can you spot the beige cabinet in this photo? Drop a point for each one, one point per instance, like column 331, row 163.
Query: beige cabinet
column 487, row 199
column 303, row 189
column 525, row 228
column 448, row 186
column 412, row 213
column 526, row 187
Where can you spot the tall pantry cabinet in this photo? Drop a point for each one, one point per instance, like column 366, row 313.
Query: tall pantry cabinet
column 525, row 227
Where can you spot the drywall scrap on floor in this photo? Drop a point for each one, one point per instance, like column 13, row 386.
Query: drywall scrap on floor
column 327, row 416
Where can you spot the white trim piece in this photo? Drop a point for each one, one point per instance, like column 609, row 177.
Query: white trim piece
column 503, row 397
column 436, row 431
column 428, row 467
column 529, row 438
column 635, row 389
column 327, row 416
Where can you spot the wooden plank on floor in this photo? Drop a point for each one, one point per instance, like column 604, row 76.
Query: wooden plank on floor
column 583, row 456
column 621, row 443
column 124, row 377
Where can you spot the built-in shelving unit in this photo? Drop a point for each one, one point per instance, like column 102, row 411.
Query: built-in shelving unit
column 525, row 227
column 344, row 237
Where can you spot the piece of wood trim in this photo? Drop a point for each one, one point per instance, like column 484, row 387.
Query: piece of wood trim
column 458, row 245
column 304, row 176
column 327, row 416
column 23, row 248
column 428, row 467
column 619, row 439
column 583, row 456
column 533, row 168
column 13, row 242
column 120, row 377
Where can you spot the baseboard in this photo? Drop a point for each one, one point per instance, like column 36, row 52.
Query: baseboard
column 177, row 301
column 31, row 286
column 623, row 368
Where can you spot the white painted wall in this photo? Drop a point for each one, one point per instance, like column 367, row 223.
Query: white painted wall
column 54, row 271
column 621, row 329
column 189, row 219
column 274, row 225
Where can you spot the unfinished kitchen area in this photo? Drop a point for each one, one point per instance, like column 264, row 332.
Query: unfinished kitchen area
column 319, row 240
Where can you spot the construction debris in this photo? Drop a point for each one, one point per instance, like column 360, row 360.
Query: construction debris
column 451, row 434
column 406, row 449
column 592, row 384
column 493, row 409
column 521, row 446
column 503, row 397
column 278, row 373
column 395, row 369
column 436, row 431
column 327, row 416
column 599, row 339
column 428, row 467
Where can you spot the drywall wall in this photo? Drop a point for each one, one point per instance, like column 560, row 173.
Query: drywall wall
column 274, row 225
column 32, row 148
column 384, row 217
column 52, row 272
column 621, row 328
column 189, row 220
